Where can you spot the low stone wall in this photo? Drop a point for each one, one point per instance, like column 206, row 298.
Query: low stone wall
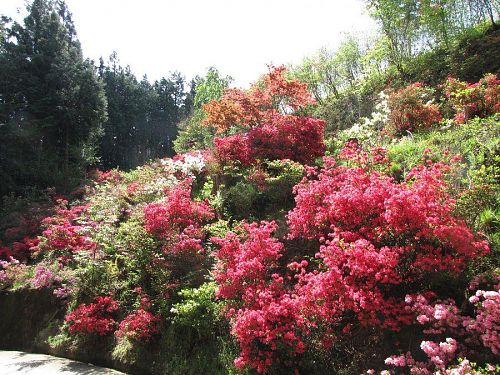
column 29, row 317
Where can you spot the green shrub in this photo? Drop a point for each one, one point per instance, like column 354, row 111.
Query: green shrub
column 198, row 308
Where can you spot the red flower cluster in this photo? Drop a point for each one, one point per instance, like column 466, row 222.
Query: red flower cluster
column 354, row 155
column 176, row 213
column 63, row 233
column 285, row 137
column 21, row 238
column 480, row 99
column 377, row 233
column 178, row 220
column 409, row 111
column 264, row 317
column 234, row 148
column 140, row 325
column 94, row 318
column 99, row 176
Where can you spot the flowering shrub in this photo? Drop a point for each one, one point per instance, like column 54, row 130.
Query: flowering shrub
column 21, row 238
column 94, row 318
column 12, row 271
column 467, row 334
column 64, row 235
column 285, row 137
column 44, row 278
column 264, row 317
column 60, row 279
column 175, row 214
column 296, row 138
column 260, row 104
column 377, row 235
column 480, row 99
column 140, row 325
column 410, row 111
column 367, row 130
column 112, row 176
column 234, row 148
column 486, row 324
column 353, row 154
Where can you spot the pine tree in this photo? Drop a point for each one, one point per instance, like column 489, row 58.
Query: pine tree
column 52, row 103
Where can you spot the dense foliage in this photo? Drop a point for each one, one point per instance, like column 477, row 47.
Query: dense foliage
column 266, row 245
column 60, row 113
column 52, row 104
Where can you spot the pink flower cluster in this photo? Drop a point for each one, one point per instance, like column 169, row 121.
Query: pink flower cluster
column 479, row 99
column 265, row 319
column 440, row 354
column 67, row 236
column 176, row 213
column 353, row 155
column 439, row 317
column 44, row 278
column 64, row 234
column 94, row 318
column 487, row 321
column 443, row 318
column 177, row 221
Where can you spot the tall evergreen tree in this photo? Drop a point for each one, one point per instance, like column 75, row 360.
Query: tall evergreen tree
column 52, row 105
column 143, row 117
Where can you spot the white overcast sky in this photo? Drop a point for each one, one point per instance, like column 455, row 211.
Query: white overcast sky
column 238, row 37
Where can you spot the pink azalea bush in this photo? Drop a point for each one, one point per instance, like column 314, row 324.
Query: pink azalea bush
column 175, row 214
column 264, row 317
column 479, row 99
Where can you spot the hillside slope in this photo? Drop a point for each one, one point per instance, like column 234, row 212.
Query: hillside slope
column 277, row 250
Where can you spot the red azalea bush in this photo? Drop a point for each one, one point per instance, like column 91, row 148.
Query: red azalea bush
column 264, row 317
column 20, row 237
column 376, row 236
column 479, row 99
column 234, row 148
column 140, row 325
column 379, row 240
column 64, row 234
column 175, row 214
column 410, row 110
column 113, row 176
column 94, row 318
column 285, row 137
column 290, row 137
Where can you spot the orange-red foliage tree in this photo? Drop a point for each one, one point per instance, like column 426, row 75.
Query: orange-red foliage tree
column 271, row 96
